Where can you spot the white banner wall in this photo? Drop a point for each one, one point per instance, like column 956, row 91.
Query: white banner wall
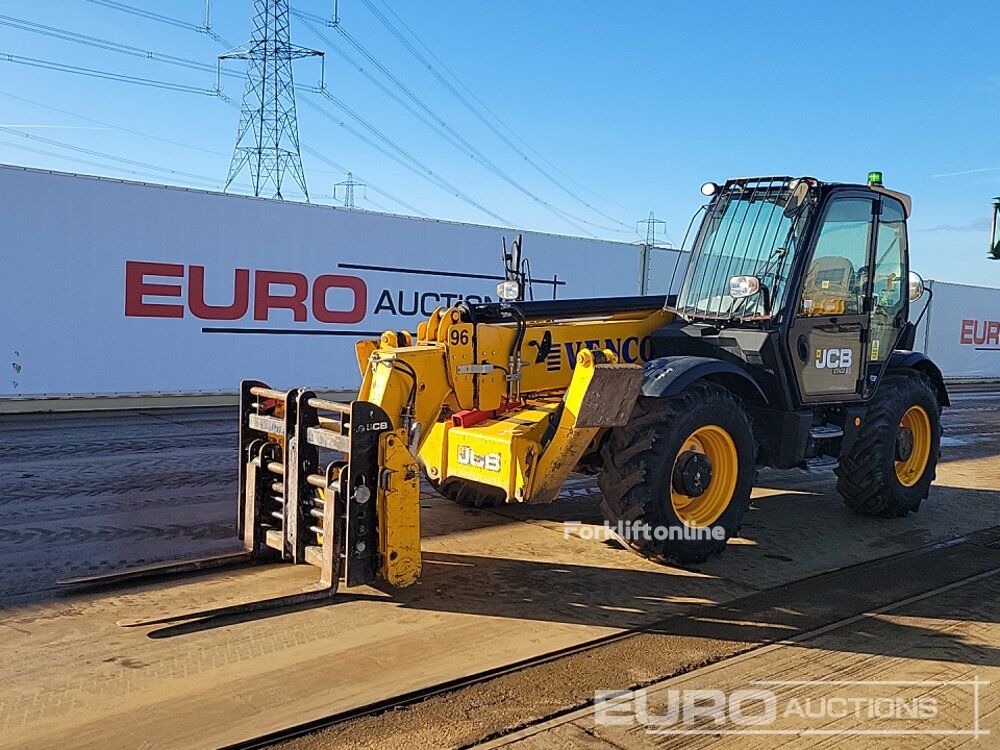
column 115, row 287
column 961, row 330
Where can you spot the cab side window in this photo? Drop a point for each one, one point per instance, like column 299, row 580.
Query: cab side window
column 889, row 282
column 836, row 278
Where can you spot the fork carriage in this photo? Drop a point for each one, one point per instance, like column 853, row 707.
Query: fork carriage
column 309, row 479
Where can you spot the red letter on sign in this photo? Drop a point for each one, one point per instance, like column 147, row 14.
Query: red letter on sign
column 967, row 331
column 136, row 289
column 332, row 281
column 993, row 332
column 263, row 300
column 196, row 296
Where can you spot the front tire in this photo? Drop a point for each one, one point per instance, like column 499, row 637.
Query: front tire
column 682, row 467
column 890, row 467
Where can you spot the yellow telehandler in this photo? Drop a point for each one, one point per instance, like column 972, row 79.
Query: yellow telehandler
column 789, row 345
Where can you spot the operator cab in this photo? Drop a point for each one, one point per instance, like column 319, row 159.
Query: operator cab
column 804, row 281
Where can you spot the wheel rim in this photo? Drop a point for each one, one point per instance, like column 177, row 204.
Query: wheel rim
column 918, row 423
column 718, row 447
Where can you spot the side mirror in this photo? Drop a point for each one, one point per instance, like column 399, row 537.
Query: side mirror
column 796, row 197
column 916, row 286
column 743, row 286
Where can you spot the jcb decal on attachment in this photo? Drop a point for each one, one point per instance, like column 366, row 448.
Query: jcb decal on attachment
column 838, row 361
column 486, row 461
column 371, row 427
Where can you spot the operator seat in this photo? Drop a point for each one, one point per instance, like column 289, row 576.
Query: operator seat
column 827, row 286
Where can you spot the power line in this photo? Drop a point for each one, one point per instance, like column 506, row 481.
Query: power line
column 151, row 16
column 436, row 122
column 414, row 164
column 396, row 152
column 338, row 167
column 105, row 75
column 148, row 14
column 136, row 173
column 98, row 43
column 214, row 182
column 403, row 157
column 487, row 121
column 112, row 126
column 22, row 147
column 91, row 152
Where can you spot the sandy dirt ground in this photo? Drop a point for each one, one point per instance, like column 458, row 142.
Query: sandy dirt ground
column 932, row 683
column 83, row 494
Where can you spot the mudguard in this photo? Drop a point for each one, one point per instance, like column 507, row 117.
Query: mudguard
column 668, row 376
column 902, row 359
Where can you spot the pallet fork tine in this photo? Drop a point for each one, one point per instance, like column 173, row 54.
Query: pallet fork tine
column 162, row 570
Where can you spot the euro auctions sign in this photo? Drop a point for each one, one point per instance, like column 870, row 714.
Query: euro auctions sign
column 125, row 288
column 258, row 296
column 985, row 333
column 962, row 330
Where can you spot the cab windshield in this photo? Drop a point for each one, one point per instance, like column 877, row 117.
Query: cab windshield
column 746, row 231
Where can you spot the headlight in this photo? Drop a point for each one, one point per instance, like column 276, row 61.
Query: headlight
column 709, row 189
column 743, row 286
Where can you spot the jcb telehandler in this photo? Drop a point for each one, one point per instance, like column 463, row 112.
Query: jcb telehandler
column 789, row 345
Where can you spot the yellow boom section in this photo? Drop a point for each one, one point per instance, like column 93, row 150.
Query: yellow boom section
column 465, row 407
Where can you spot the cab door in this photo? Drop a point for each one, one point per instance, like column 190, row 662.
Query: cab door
column 889, row 303
column 829, row 331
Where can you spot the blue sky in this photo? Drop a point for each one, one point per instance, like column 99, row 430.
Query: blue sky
column 636, row 103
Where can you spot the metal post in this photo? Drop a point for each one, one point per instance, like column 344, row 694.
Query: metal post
column 994, row 240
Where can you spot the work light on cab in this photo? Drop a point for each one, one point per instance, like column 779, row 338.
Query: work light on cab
column 509, row 290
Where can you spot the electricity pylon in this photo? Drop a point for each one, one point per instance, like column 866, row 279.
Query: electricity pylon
column 650, row 243
column 267, row 139
column 348, row 186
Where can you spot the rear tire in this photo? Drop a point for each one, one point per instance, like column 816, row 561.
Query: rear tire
column 640, row 480
column 873, row 478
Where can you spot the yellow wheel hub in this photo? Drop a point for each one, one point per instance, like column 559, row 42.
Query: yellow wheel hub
column 911, row 461
column 703, row 505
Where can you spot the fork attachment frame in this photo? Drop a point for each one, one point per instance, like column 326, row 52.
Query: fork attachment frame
column 309, row 480
column 308, row 490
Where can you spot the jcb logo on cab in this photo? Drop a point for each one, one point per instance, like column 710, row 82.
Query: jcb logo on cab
column 834, row 359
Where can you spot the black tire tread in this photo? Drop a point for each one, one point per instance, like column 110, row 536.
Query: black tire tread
column 628, row 452
column 862, row 479
column 470, row 494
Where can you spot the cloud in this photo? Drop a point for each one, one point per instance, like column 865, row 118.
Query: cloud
column 977, row 170
column 978, row 225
